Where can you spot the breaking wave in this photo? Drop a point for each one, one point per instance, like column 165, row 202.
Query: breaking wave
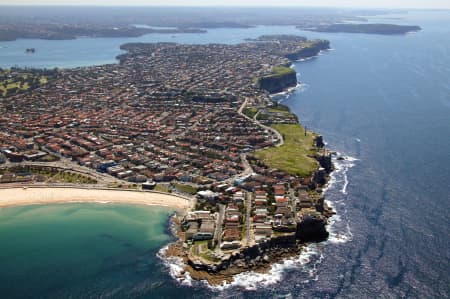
column 252, row 281
column 336, row 189
column 310, row 257
column 175, row 266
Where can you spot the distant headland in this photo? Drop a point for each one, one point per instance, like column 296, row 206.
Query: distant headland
column 67, row 32
column 388, row 29
column 196, row 120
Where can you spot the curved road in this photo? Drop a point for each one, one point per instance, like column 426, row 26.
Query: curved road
column 247, row 168
column 255, row 121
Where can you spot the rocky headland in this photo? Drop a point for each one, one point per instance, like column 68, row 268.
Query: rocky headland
column 286, row 241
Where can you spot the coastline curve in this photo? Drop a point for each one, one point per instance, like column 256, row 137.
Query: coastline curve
column 31, row 195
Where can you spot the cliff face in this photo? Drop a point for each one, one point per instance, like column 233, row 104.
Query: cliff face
column 282, row 78
column 309, row 51
column 312, row 230
column 253, row 256
column 278, row 83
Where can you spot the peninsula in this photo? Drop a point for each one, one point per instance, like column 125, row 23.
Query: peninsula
column 387, row 29
column 67, row 32
column 196, row 121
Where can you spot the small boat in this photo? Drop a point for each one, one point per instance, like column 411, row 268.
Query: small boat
column 30, row 50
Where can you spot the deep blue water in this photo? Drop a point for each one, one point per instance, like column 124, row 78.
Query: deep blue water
column 385, row 101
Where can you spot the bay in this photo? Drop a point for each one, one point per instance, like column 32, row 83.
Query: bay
column 381, row 101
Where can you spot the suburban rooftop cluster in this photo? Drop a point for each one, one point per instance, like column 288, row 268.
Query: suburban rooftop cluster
column 190, row 114
column 167, row 111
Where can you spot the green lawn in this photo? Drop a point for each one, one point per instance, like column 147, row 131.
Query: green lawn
column 282, row 70
column 250, row 111
column 73, row 178
column 295, row 155
column 186, row 188
column 308, row 44
column 19, row 80
column 279, row 109
column 162, row 188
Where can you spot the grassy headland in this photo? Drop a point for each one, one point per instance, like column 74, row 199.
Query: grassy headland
column 295, row 156
column 282, row 70
column 280, row 78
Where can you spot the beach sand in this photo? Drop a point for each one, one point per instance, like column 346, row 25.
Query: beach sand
column 48, row 195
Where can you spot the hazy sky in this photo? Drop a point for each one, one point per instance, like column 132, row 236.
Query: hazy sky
column 316, row 3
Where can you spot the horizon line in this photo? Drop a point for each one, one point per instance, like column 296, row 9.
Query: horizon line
column 227, row 6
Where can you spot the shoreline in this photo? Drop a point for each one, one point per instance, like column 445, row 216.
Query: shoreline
column 253, row 258
column 177, row 261
column 32, row 195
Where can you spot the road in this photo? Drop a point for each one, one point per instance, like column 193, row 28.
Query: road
column 102, row 178
column 248, row 219
column 247, row 167
column 255, row 121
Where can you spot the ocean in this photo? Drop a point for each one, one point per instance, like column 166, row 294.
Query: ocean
column 381, row 102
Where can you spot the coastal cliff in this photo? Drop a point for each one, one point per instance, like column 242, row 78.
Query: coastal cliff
column 309, row 50
column 272, row 215
column 282, row 78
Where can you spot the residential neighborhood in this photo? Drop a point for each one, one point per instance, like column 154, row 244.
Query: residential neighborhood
column 187, row 119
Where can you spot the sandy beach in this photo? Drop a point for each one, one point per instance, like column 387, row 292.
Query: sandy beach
column 47, row 195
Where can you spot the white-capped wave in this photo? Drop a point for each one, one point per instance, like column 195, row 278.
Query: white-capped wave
column 252, row 281
column 175, row 265
column 309, row 258
column 339, row 233
column 339, row 227
column 344, row 187
column 342, row 164
column 102, row 201
column 287, row 92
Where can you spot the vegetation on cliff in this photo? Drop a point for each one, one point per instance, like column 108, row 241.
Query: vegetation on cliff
column 295, row 156
column 308, row 49
column 278, row 71
column 281, row 78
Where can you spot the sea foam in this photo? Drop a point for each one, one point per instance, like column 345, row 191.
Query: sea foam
column 311, row 255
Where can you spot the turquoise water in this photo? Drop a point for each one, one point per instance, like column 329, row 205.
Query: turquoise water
column 81, row 250
column 384, row 100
